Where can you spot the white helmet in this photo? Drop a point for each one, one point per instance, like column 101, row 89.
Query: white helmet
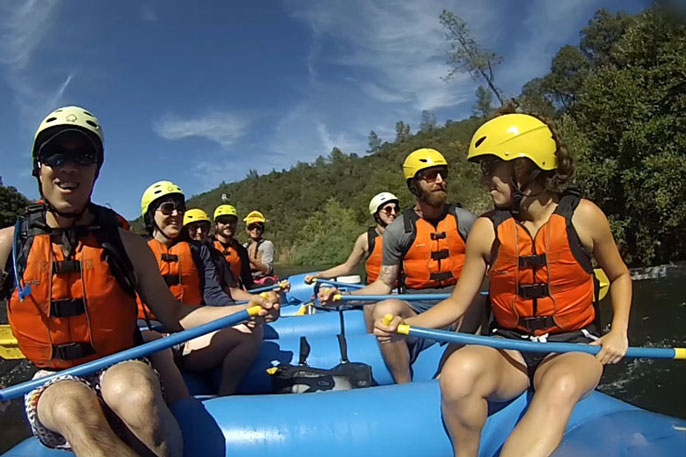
column 381, row 199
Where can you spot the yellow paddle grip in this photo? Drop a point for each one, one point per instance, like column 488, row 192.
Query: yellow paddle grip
column 387, row 319
column 680, row 353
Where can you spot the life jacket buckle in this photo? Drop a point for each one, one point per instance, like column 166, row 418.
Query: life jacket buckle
column 71, row 351
column 438, row 235
column 532, row 261
column 171, row 280
column 440, row 255
column 169, row 258
column 533, row 290
column 66, row 266
column 537, row 322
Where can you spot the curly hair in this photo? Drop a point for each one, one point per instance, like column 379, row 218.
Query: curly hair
column 559, row 179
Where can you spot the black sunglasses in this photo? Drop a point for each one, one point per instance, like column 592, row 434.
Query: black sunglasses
column 227, row 220
column 167, row 208
column 488, row 166
column 431, row 174
column 255, row 226
column 57, row 156
column 390, row 209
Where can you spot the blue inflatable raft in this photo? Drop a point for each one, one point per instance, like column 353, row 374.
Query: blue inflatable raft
column 398, row 420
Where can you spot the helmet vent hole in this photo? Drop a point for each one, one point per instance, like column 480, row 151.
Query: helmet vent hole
column 51, row 119
column 91, row 123
column 479, row 141
column 88, row 114
column 423, row 160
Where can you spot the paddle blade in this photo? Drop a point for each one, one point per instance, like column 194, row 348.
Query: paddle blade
column 9, row 349
column 603, row 281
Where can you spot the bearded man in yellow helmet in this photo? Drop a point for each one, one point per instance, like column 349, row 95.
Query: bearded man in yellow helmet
column 83, row 306
column 424, row 251
column 225, row 222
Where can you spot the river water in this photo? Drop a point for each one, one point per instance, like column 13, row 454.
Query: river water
column 658, row 318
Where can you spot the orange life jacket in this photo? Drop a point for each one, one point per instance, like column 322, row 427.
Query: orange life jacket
column 231, row 255
column 545, row 284
column 81, row 306
column 179, row 271
column 436, row 256
column 374, row 250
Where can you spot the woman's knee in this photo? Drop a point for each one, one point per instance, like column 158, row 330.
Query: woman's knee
column 391, row 306
column 461, row 375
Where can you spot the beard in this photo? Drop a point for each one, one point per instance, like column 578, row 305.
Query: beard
column 435, row 198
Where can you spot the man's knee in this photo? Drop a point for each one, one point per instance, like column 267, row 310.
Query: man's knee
column 130, row 386
column 68, row 404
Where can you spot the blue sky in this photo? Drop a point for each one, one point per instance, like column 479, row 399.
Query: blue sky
column 200, row 92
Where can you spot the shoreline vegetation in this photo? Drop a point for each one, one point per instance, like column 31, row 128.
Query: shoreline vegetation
column 618, row 99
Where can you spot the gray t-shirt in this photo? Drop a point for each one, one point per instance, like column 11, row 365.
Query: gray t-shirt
column 396, row 241
column 266, row 249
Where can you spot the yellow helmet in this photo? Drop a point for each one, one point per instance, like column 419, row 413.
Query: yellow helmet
column 68, row 116
column 511, row 136
column 422, row 159
column 157, row 190
column 195, row 215
column 224, row 210
column 254, row 217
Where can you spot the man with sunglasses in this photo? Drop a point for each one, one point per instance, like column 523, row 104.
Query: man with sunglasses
column 384, row 207
column 260, row 251
column 225, row 222
column 71, row 271
column 424, row 251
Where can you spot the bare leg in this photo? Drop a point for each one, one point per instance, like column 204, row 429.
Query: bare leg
column 234, row 348
column 131, row 389
column 74, row 411
column 470, row 376
column 395, row 354
column 560, row 382
column 174, row 386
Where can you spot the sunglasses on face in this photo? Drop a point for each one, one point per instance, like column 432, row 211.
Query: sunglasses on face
column 167, row 208
column 227, row 220
column 390, row 209
column 488, row 166
column 255, row 227
column 431, row 174
column 56, row 156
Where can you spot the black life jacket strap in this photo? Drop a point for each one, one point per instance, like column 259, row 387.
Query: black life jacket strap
column 532, row 261
column 72, row 351
column 537, row 322
column 60, row 267
column 532, row 291
column 67, row 307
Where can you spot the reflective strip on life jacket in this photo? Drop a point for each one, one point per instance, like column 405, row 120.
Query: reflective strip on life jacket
column 77, row 310
column 541, row 285
column 436, row 256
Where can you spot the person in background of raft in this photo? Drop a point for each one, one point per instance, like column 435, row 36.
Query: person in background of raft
column 225, row 221
column 536, row 247
column 424, row 252
column 260, row 251
column 119, row 410
column 384, row 208
column 189, row 271
column 197, row 224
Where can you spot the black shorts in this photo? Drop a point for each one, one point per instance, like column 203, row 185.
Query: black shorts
column 534, row 359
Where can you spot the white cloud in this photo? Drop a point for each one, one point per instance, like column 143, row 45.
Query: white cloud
column 222, row 128
column 24, row 27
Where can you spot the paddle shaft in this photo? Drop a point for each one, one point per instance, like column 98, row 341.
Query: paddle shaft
column 329, row 282
column 532, row 346
column 132, row 353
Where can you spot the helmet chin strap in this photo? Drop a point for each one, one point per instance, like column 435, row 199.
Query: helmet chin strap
column 519, row 195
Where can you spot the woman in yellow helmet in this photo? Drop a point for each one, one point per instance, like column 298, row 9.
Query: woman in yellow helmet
column 187, row 267
column 225, row 223
column 260, row 251
column 536, row 248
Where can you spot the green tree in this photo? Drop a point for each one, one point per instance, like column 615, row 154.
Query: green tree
column 569, row 71
column 402, row 131
column 428, row 121
column 374, row 142
column 466, row 55
column 535, row 99
column 482, row 107
column 12, row 205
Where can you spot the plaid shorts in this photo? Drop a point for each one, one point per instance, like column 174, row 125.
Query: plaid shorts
column 93, row 381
